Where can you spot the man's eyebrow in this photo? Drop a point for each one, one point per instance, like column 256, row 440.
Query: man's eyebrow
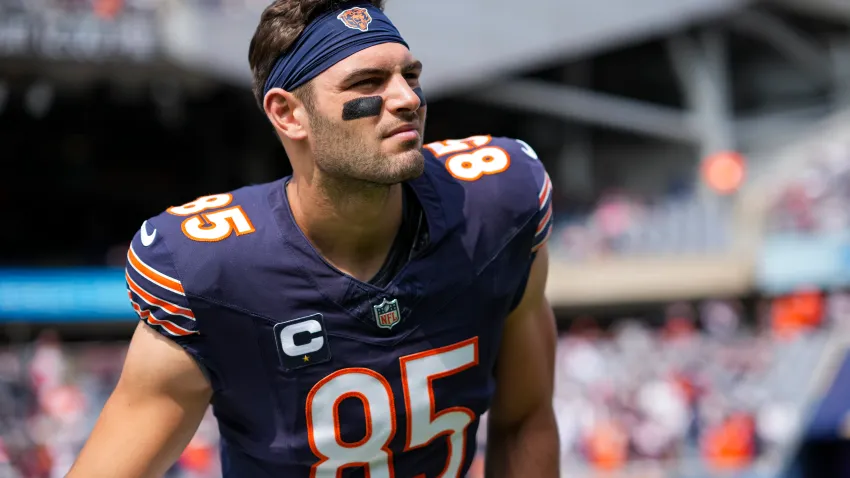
column 364, row 72
column 410, row 67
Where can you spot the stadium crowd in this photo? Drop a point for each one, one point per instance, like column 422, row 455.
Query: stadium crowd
column 710, row 393
column 625, row 224
column 816, row 199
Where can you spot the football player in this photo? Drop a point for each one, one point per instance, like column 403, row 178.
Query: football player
column 358, row 317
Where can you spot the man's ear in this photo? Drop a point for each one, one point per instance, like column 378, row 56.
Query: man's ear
column 281, row 107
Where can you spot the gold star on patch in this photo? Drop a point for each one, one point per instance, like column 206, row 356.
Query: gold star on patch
column 306, row 358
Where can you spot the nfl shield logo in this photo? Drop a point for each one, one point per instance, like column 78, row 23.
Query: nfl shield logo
column 387, row 313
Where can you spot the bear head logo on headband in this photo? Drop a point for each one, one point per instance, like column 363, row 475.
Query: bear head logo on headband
column 356, row 18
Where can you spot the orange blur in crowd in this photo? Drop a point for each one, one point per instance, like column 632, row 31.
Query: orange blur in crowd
column 796, row 313
column 608, row 446
column 730, row 445
column 108, row 9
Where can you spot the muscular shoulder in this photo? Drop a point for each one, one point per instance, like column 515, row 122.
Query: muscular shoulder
column 506, row 187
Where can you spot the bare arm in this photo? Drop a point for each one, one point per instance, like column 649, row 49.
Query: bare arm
column 523, row 434
column 154, row 411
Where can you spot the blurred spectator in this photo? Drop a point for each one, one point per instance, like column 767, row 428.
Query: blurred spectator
column 50, row 396
column 623, row 224
column 815, row 201
column 731, row 443
column 669, row 394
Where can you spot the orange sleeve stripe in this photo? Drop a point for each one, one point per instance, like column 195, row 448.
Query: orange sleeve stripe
column 544, row 193
column 545, row 220
column 172, row 309
column 172, row 328
column 153, row 275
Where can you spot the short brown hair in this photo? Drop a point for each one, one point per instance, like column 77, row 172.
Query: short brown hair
column 280, row 25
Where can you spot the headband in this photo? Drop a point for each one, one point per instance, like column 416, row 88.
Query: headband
column 329, row 39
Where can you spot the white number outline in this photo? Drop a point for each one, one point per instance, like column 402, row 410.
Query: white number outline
column 414, row 414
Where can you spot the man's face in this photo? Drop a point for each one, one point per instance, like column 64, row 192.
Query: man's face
column 382, row 143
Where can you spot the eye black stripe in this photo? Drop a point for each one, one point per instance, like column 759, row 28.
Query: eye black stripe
column 362, row 108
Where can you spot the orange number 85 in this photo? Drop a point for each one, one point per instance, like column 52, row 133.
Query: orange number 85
column 212, row 226
column 475, row 158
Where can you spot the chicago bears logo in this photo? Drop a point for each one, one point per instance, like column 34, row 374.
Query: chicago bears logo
column 356, row 18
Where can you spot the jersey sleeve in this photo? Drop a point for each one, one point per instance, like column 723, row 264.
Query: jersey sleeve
column 532, row 168
column 533, row 174
column 154, row 287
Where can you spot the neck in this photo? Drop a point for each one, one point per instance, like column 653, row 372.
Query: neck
column 351, row 223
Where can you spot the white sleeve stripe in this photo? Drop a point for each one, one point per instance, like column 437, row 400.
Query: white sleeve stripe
column 166, row 325
column 546, row 199
column 543, row 241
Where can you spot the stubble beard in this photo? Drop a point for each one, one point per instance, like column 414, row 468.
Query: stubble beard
column 344, row 156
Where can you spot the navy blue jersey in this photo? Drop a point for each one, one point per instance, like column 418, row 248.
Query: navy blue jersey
column 318, row 374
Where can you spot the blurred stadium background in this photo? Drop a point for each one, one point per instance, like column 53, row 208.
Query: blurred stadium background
column 701, row 155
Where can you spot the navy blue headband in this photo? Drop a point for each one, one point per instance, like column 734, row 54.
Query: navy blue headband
column 331, row 38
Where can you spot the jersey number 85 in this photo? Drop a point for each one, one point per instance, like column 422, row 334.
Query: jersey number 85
column 471, row 158
column 424, row 423
column 212, row 226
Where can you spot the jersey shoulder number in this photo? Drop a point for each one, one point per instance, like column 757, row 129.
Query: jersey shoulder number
column 472, row 158
column 515, row 177
column 212, row 218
